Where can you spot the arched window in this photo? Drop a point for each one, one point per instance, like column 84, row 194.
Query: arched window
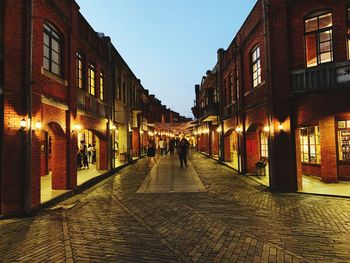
column 102, row 85
column 52, row 50
column 318, row 39
column 256, row 66
column 92, row 79
column 80, row 70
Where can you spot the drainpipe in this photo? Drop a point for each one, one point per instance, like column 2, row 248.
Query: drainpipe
column 268, row 81
column 28, row 86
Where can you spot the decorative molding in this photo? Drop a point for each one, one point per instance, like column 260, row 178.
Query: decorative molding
column 53, row 103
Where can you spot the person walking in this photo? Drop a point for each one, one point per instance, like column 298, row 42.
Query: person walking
column 182, row 151
column 85, row 156
column 162, row 146
column 151, row 152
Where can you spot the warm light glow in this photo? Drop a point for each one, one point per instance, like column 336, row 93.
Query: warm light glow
column 141, row 132
column 23, row 124
column 238, row 129
column 38, row 125
column 77, row 127
column 112, row 127
column 280, row 126
column 195, row 133
column 266, row 128
column 219, row 129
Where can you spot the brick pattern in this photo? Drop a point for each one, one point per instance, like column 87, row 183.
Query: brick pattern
column 235, row 221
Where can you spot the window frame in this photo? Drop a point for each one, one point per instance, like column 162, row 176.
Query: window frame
column 92, row 79
column 256, row 61
column 102, row 85
column 316, row 145
column 80, row 70
column 316, row 33
column 53, row 34
column 263, row 151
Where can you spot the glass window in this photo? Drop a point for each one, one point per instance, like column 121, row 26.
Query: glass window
column 256, row 66
column 79, row 70
column 264, row 149
column 52, row 60
column 310, row 145
column 318, row 39
column 102, row 84
column 344, row 140
column 92, row 80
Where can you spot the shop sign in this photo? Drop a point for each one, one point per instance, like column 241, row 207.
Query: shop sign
column 343, row 74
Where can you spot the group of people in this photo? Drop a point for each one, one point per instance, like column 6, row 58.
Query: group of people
column 86, row 154
column 181, row 146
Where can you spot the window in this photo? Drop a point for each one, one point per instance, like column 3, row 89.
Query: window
column 91, row 79
column 310, row 145
column 102, row 85
column 344, row 140
column 216, row 94
column 237, row 83
column 256, row 66
column 264, row 149
column 348, row 31
column 318, row 39
column 79, row 70
column 52, row 59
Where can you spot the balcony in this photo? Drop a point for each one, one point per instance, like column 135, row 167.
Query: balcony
column 323, row 77
column 92, row 105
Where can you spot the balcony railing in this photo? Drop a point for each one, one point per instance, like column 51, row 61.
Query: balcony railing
column 327, row 76
column 91, row 104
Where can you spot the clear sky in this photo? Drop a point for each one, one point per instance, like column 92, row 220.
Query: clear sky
column 168, row 44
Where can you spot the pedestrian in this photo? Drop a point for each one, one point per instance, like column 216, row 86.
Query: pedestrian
column 93, row 153
column 85, row 156
column 151, row 152
column 89, row 150
column 171, row 146
column 161, row 146
column 79, row 159
column 182, row 150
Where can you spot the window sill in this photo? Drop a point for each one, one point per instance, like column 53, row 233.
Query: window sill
column 254, row 89
column 54, row 77
column 346, row 162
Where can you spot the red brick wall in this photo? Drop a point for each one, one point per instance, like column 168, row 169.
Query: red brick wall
column 314, row 170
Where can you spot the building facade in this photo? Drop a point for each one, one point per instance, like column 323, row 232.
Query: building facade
column 283, row 83
column 64, row 88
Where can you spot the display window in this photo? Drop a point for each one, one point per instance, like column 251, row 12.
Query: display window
column 344, row 140
column 310, row 145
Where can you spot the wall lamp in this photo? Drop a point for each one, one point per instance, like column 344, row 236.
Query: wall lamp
column 76, row 128
column 219, row 129
column 280, row 126
column 23, row 124
column 38, row 125
column 266, row 128
column 238, row 129
column 112, row 127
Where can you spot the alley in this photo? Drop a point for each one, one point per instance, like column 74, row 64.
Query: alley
column 233, row 219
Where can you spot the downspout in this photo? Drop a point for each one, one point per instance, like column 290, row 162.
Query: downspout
column 28, row 87
column 268, row 81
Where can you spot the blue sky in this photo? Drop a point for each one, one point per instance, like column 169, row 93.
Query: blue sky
column 168, row 44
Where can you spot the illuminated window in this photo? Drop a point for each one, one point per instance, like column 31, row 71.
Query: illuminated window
column 256, row 66
column 310, row 145
column 91, row 79
column 52, row 58
column 102, row 84
column 79, row 70
column 264, row 146
column 318, row 39
column 344, row 139
column 348, row 32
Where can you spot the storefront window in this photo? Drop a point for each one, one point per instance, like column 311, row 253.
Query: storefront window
column 264, row 149
column 310, row 145
column 344, row 140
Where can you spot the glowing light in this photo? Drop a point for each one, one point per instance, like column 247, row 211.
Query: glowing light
column 23, row 124
column 280, row 126
column 77, row 127
column 238, row 129
column 266, row 128
column 38, row 125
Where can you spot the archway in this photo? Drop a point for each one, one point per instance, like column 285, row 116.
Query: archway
column 257, row 151
column 92, row 159
column 233, row 152
column 53, row 161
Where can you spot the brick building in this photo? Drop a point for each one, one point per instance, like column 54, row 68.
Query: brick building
column 284, row 82
column 61, row 84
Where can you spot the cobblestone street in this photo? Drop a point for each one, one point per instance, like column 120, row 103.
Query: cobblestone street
column 235, row 220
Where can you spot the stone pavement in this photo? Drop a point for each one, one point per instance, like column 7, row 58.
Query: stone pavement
column 235, row 220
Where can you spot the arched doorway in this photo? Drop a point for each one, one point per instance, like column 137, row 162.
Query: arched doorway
column 258, row 151
column 53, row 161
column 233, row 156
column 92, row 158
